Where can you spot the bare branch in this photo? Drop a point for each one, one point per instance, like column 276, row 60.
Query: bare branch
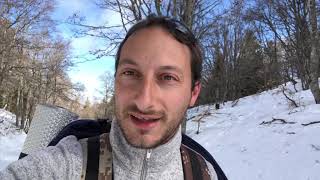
column 282, row 121
column 310, row 123
column 290, row 99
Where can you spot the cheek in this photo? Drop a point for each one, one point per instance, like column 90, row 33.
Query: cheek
column 178, row 101
column 122, row 90
column 120, row 98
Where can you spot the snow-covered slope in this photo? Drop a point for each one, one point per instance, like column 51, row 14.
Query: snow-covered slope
column 249, row 150
column 11, row 139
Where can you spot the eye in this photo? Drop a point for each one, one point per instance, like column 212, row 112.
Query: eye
column 168, row 77
column 128, row 73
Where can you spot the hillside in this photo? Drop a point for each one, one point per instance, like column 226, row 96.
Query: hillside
column 248, row 149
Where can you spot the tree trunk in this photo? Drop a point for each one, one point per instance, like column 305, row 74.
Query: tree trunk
column 158, row 7
column 188, row 13
column 174, row 11
column 314, row 58
column 24, row 109
column 187, row 18
column 17, row 107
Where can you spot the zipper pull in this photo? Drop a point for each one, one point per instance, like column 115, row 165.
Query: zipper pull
column 148, row 153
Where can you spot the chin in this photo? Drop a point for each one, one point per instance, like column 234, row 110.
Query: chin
column 143, row 140
column 148, row 138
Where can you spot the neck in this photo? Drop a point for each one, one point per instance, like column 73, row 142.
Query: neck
column 131, row 158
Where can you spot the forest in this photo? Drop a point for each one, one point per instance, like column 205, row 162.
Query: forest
column 248, row 47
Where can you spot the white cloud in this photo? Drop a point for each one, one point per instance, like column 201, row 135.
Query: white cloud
column 92, row 85
column 70, row 6
column 110, row 17
column 83, row 45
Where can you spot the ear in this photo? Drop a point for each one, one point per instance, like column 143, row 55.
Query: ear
column 195, row 93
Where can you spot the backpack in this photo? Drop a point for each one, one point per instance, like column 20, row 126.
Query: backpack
column 92, row 131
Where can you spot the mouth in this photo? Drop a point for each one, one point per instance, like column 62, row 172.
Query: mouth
column 144, row 122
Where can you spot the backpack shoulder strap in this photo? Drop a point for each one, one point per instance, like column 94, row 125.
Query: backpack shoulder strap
column 105, row 158
column 97, row 158
column 194, row 165
column 192, row 144
column 83, row 128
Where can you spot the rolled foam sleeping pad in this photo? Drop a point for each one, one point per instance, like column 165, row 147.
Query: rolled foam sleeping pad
column 47, row 122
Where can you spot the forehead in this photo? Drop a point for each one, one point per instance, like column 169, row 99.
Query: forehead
column 155, row 46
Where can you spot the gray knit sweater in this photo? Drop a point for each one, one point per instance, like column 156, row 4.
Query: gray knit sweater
column 64, row 161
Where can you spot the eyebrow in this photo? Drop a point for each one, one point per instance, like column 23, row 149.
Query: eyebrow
column 127, row 61
column 172, row 68
column 163, row 68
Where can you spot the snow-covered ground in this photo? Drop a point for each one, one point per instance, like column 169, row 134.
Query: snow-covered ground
column 247, row 150
column 11, row 139
column 234, row 135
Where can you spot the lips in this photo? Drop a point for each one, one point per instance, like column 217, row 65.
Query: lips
column 144, row 122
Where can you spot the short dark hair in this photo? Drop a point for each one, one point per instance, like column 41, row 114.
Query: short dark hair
column 179, row 31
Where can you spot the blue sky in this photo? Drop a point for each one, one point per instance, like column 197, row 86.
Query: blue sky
column 89, row 72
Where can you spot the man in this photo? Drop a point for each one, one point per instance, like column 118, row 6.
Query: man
column 158, row 71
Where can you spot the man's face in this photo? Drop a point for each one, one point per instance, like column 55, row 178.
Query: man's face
column 152, row 87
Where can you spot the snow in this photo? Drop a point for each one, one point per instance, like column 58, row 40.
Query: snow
column 10, row 148
column 11, row 139
column 245, row 148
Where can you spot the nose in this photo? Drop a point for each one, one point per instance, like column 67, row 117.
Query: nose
column 144, row 99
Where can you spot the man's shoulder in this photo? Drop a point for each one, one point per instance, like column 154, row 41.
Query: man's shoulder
column 63, row 161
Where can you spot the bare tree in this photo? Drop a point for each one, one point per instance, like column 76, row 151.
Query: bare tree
column 294, row 26
column 33, row 63
column 315, row 56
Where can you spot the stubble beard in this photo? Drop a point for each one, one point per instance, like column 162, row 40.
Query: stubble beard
column 171, row 128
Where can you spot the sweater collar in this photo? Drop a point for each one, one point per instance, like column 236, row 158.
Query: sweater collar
column 131, row 158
